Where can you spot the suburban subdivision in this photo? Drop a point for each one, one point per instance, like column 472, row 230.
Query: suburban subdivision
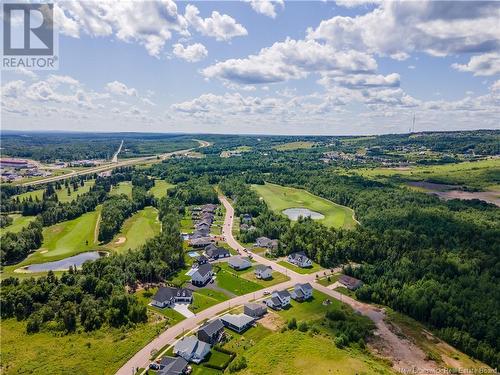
column 215, row 264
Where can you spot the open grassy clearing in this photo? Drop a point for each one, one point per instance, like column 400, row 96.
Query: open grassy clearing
column 18, row 223
column 62, row 194
column 124, row 187
column 329, row 280
column 276, row 279
column 300, row 145
column 159, row 190
column 310, row 310
column 98, row 352
column 34, row 194
column 136, row 230
column 234, row 281
column 279, row 198
column 314, row 268
column 204, row 298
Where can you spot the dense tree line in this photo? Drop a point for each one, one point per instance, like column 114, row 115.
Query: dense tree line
column 95, row 295
column 5, row 220
column 16, row 246
column 194, row 191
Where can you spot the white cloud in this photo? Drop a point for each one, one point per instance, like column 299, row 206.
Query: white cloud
column 481, row 65
column 119, row 88
column 192, row 53
column 266, row 7
column 13, row 89
column 27, row 73
column 290, row 59
column 361, row 80
column 219, row 26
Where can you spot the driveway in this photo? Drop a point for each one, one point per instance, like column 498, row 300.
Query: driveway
column 183, row 308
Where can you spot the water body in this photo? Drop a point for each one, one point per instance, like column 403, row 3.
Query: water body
column 295, row 213
column 64, row 264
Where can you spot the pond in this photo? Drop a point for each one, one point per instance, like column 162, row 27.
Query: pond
column 64, row 264
column 295, row 213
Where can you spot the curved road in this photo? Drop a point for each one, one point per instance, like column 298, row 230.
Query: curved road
column 403, row 353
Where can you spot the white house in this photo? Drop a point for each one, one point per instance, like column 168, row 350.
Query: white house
column 301, row 292
column 166, row 296
column 300, row 259
column 201, row 275
column 263, row 272
column 279, row 299
column 191, row 349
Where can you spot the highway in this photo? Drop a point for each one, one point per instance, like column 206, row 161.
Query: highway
column 402, row 352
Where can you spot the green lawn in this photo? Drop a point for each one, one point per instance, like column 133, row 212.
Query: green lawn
column 279, row 198
column 159, row 190
column 217, row 358
column 315, row 267
column 204, row 298
column 276, row 279
column 64, row 240
column 234, row 281
column 239, row 343
column 312, row 309
column 294, row 146
column 325, row 281
column 99, row 352
column 19, row 222
column 136, row 230
column 33, row 194
column 124, row 187
column 62, row 194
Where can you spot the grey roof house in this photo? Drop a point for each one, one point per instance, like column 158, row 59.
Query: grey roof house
column 191, row 349
column 263, row 272
column 351, row 283
column 302, row 292
column 211, row 332
column 239, row 263
column 237, row 322
column 299, row 259
column 215, row 252
column 167, row 296
column 172, row 366
column 255, row 310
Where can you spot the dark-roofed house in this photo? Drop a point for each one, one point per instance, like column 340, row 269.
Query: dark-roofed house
column 300, row 259
column 214, row 253
column 237, row 322
column 202, row 259
column 167, row 296
column 279, row 299
column 266, row 243
column 172, row 366
column 211, row 332
column 239, row 263
column 301, row 292
column 191, row 349
column 255, row 310
column 351, row 283
column 201, row 275
column 263, row 272
column 201, row 241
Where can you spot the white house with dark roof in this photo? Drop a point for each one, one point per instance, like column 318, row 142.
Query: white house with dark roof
column 299, row 259
column 201, row 275
column 302, row 292
column 279, row 299
column 211, row 332
column 263, row 272
column 192, row 349
column 167, row 296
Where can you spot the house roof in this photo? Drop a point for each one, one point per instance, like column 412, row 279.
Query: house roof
column 201, row 240
column 297, row 293
column 239, row 262
column 204, row 269
column 210, row 247
column 254, row 306
column 350, row 281
column 201, row 259
column 298, row 255
column 282, row 293
column 172, row 366
column 191, row 344
column 237, row 320
column 262, row 267
column 212, row 327
column 216, row 251
column 167, row 293
column 262, row 240
column 305, row 286
column 276, row 301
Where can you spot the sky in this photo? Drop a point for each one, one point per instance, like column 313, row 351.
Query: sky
column 264, row 67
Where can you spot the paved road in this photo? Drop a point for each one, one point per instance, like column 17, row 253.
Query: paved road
column 107, row 167
column 115, row 155
column 403, row 353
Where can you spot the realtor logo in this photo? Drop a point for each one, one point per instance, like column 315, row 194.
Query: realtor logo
column 28, row 36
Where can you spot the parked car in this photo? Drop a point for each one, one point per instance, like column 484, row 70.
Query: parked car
column 267, row 292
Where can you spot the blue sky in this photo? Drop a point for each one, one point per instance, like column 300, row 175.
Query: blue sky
column 362, row 67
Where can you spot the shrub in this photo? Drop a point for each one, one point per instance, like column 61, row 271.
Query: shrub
column 303, row 327
column 237, row 365
column 292, row 323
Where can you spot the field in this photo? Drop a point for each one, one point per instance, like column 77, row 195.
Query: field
column 276, row 279
column 160, row 188
column 315, row 267
column 62, row 194
column 294, row 146
column 136, row 230
column 124, row 187
column 18, row 223
column 98, row 352
column 204, row 298
column 279, row 198
column 234, row 281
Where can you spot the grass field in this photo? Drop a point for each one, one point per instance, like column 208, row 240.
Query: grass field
column 160, row 188
column 276, row 279
column 124, row 187
column 294, row 146
column 314, row 268
column 204, row 298
column 136, row 230
column 63, row 196
column 235, row 281
column 279, row 198
column 18, row 223
column 310, row 310
column 33, row 194
column 98, row 352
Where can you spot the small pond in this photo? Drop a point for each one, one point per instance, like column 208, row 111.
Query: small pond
column 64, row 264
column 295, row 213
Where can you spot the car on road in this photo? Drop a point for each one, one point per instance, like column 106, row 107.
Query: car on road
column 267, row 292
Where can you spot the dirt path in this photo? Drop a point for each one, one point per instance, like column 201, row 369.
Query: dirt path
column 96, row 229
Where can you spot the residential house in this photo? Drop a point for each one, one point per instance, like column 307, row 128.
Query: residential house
column 200, row 241
column 266, row 243
column 263, row 272
column 167, row 296
column 201, row 275
column 246, row 218
column 211, row 332
column 191, row 349
column 214, row 253
column 278, row 299
column 237, row 322
column 302, row 292
column 350, row 283
column 239, row 263
column 255, row 310
column 202, row 259
column 300, row 259
column 172, row 366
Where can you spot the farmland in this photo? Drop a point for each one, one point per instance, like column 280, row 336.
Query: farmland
column 279, row 198
column 299, row 145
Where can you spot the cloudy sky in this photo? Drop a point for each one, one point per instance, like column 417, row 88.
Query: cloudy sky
column 271, row 67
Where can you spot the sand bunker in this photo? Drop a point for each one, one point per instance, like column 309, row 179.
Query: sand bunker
column 120, row 240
